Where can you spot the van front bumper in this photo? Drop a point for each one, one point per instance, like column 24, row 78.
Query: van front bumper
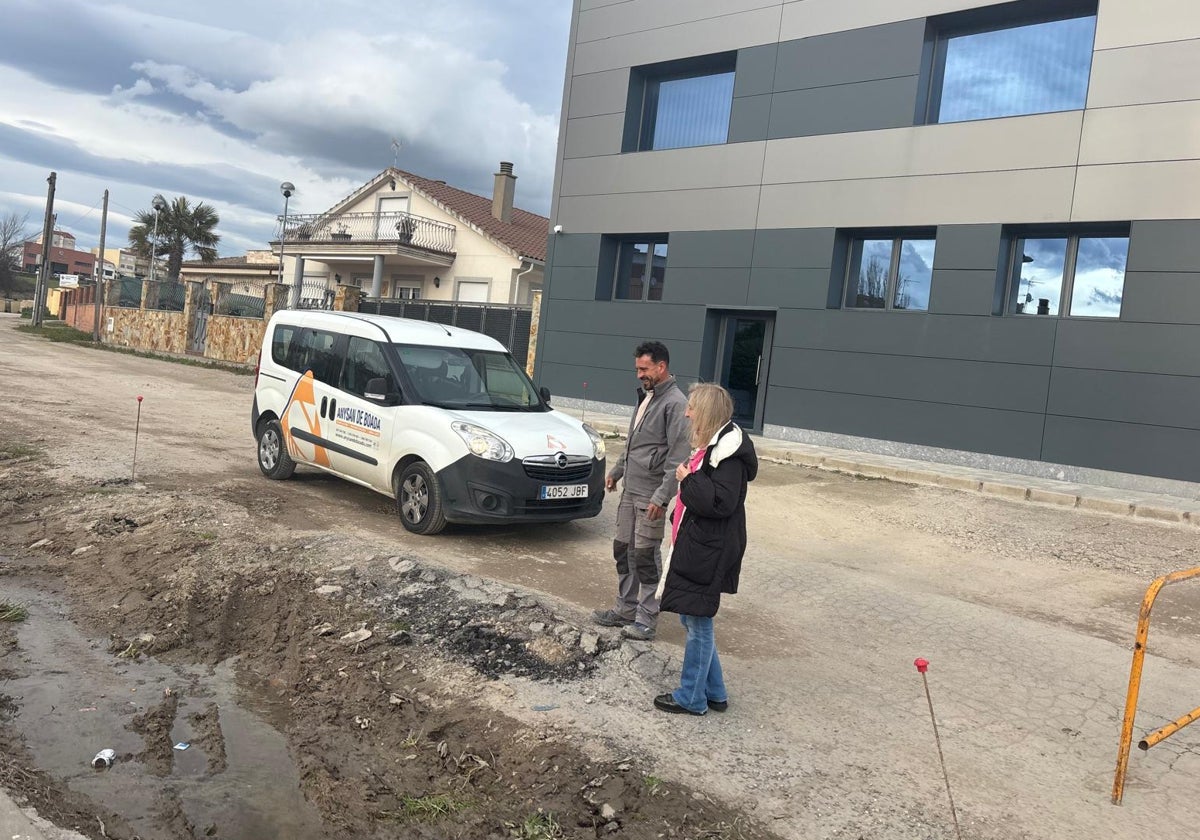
column 479, row 491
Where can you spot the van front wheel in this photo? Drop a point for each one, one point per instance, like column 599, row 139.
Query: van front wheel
column 273, row 457
column 419, row 499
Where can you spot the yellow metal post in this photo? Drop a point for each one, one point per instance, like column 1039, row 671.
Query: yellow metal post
column 1135, row 679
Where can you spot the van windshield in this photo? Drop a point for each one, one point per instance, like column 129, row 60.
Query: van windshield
column 473, row 380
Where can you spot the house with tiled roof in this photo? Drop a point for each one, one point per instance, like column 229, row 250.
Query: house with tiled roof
column 402, row 236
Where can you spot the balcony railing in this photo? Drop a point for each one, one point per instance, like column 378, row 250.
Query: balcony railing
column 398, row 229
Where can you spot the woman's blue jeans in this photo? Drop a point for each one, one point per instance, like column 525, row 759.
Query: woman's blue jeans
column 701, row 679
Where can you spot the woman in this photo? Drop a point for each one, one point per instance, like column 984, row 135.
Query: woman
column 708, row 539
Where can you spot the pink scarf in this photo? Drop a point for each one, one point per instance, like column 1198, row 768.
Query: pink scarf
column 677, row 517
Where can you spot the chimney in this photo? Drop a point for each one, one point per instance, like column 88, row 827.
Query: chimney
column 502, row 196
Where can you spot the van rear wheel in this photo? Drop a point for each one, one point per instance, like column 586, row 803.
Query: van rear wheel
column 273, row 457
column 419, row 499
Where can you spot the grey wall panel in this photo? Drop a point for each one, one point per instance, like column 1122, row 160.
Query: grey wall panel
column 1022, row 341
column 1161, row 297
column 862, row 106
column 794, row 248
column 576, row 249
column 1171, row 245
column 612, row 352
column 1009, row 433
column 637, row 320
column 755, row 70
column 967, row 246
column 603, row 384
column 1113, row 345
column 589, row 136
column 634, row 16
column 749, row 118
column 859, row 55
column 595, row 94
column 962, row 291
column 713, row 286
column 951, row 381
column 1126, row 397
column 1123, row 447
column 711, row 249
column 569, row 282
column 794, row 288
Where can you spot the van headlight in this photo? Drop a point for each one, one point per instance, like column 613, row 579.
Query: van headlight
column 482, row 442
column 597, row 442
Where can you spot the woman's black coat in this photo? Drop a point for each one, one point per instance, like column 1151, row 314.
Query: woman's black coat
column 707, row 557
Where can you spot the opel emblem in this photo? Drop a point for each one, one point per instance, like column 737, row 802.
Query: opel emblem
column 561, row 460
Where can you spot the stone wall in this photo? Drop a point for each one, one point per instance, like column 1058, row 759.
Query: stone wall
column 145, row 329
column 533, row 333
column 232, row 339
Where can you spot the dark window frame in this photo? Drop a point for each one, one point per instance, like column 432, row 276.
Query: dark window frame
column 641, row 110
column 852, row 243
column 620, row 263
column 1010, row 276
column 939, row 30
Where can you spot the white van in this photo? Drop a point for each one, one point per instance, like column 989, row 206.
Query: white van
column 439, row 418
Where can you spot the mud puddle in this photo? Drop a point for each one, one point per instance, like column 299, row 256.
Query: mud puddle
column 70, row 697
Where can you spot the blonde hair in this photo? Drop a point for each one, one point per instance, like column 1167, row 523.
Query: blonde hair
column 712, row 409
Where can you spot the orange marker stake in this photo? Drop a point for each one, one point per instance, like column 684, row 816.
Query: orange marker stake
column 922, row 667
column 136, row 428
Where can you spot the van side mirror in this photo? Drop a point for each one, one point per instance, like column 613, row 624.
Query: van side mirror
column 544, row 393
column 377, row 391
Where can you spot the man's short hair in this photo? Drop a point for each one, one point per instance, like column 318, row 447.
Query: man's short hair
column 656, row 350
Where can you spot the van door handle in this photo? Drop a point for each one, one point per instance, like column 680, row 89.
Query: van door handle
column 324, row 404
column 332, row 409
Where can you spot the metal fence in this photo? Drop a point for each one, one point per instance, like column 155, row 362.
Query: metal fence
column 171, row 297
column 312, row 296
column 402, row 229
column 240, row 304
column 510, row 325
column 129, row 292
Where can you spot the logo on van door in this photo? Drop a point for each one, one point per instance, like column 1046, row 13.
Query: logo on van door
column 301, row 415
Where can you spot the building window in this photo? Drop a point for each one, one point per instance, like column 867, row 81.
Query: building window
column 984, row 68
column 1064, row 273
column 890, row 272
column 678, row 104
column 641, row 270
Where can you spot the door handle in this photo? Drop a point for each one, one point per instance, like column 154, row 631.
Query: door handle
column 332, row 408
column 758, row 369
column 324, row 405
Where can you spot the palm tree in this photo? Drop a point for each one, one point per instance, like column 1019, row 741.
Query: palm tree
column 181, row 228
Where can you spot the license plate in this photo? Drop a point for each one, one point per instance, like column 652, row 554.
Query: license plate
column 563, row 491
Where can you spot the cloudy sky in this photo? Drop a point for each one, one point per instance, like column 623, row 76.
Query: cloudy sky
column 221, row 101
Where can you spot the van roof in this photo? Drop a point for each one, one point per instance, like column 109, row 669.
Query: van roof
column 396, row 330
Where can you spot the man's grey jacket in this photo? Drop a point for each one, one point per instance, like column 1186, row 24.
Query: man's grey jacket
column 659, row 444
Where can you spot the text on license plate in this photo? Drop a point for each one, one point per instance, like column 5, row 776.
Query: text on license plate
column 563, row 491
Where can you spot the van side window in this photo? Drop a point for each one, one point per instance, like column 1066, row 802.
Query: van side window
column 314, row 351
column 364, row 361
column 281, row 343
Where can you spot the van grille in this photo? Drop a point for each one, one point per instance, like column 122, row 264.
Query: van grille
column 552, row 468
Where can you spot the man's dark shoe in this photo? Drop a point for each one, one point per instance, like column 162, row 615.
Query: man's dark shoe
column 610, row 618
column 718, row 705
column 666, row 703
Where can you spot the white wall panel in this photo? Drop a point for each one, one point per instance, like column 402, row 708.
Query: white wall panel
column 745, row 29
column 1141, row 75
column 1123, row 23
column 732, row 208
column 1033, row 142
column 803, row 18
column 640, row 15
column 1168, row 131
column 1138, row 191
column 736, row 164
column 1042, row 195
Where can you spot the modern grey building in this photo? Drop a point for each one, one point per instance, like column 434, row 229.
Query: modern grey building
column 958, row 230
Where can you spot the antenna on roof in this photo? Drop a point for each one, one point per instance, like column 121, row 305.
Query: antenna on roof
column 396, row 146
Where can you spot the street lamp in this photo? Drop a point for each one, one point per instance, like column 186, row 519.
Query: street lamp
column 160, row 204
column 287, row 188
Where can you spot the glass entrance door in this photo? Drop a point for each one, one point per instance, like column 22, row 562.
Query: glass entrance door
column 744, row 366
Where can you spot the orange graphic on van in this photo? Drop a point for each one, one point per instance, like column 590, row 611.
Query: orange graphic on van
column 301, row 414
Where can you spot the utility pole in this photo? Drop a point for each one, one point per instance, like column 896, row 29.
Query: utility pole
column 43, row 278
column 100, row 271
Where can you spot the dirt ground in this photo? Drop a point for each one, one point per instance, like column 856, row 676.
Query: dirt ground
column 333, row 676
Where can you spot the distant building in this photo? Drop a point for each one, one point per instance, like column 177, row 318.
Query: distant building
column 64, row 258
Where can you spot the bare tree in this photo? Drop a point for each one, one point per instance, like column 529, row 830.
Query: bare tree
column 872, row 285
column 13, row 234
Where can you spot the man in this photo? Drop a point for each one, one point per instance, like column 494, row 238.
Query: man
column 658, row 442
